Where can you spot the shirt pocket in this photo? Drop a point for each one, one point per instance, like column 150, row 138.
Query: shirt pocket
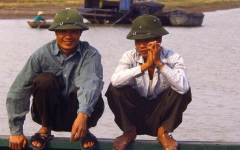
column 73, row 77
column 138, row 81
column 52, row 68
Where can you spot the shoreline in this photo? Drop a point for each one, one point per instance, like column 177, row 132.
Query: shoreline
column 29, row 11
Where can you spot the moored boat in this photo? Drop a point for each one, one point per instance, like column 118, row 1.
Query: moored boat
column 195, row 19
column 125, row 11
column 181, row 18
column 121, row 12
column 39, row 24
column 102, row 16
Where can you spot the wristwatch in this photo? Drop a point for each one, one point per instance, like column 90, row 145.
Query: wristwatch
column 159, row 65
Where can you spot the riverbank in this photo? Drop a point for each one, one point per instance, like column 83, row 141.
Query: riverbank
column 27, row 10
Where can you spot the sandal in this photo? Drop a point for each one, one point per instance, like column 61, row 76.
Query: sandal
column 89, row 137
column 40, row 138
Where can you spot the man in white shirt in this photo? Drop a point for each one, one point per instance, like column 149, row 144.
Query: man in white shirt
column 149, row 89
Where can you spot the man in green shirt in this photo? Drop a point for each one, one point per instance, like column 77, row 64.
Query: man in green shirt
column 64, row 77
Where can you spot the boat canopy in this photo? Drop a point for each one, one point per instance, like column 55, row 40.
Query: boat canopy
column 120, row 5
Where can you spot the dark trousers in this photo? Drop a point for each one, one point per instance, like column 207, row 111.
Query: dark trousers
column 50, row 110
column 132, row 110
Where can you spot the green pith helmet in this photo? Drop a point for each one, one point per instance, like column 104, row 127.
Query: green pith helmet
column 68, row 19
column 145, row 27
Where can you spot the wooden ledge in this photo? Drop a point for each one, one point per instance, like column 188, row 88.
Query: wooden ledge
column 63, row 143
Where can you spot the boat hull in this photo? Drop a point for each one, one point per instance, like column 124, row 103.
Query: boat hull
column 39, row 24
column 191, row 19
column 103, row 16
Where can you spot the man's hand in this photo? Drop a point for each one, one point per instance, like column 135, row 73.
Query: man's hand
column 156, row 49
column 150, row 58
column 79, row 127
column 17, row 142
column 149, row 61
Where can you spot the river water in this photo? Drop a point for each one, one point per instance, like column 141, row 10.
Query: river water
column 211, row 53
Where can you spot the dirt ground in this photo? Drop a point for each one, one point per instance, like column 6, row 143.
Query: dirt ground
column 25, row 11
column 29, row 12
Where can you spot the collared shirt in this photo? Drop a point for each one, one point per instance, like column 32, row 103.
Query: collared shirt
column 128, row 72
column 82, row 69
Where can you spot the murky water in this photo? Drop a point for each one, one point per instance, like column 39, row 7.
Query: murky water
column 211, row 54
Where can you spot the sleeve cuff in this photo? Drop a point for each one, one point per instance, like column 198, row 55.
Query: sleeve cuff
column 85, row 109
column 16, row 130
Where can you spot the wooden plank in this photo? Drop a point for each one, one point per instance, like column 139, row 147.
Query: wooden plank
column 62, row 143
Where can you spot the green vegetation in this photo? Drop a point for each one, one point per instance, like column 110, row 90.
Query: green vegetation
column 200, row 5
column 29, row 3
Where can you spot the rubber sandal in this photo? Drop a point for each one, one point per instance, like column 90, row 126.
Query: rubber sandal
column 40, row 138
column 89, row 137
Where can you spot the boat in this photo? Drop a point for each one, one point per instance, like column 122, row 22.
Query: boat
column 181, row 18
column 121, row 12
column 125, row 11
column 63, row 143
column 43, row 24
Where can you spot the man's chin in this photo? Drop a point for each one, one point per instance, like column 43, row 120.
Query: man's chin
column 68, row 43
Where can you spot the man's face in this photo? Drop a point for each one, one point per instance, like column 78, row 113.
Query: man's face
column 68, row 40
column 141, row 46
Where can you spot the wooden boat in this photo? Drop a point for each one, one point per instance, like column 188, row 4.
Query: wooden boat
column 103, row 16
column 63, row 143
column 125, row 11
column 39, row 24
column 121, row 12
column 181, row 18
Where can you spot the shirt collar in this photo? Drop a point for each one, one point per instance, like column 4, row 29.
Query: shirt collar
column 56, row 48
column 139, row 57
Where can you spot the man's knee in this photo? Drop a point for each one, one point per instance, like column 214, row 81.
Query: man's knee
column 119, row 90
column 188, row 96
column 44, row 79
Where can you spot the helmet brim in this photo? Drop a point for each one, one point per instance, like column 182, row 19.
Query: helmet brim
column 136, row 35
column 68, row 26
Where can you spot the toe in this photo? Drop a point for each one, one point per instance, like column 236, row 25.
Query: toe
column 88, row 144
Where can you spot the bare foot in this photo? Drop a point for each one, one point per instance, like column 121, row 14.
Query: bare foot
column 43, row 130
column 121, row 142
column 167, row 141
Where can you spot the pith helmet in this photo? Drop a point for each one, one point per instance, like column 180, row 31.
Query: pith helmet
column 68, row 19
column 145, row 27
